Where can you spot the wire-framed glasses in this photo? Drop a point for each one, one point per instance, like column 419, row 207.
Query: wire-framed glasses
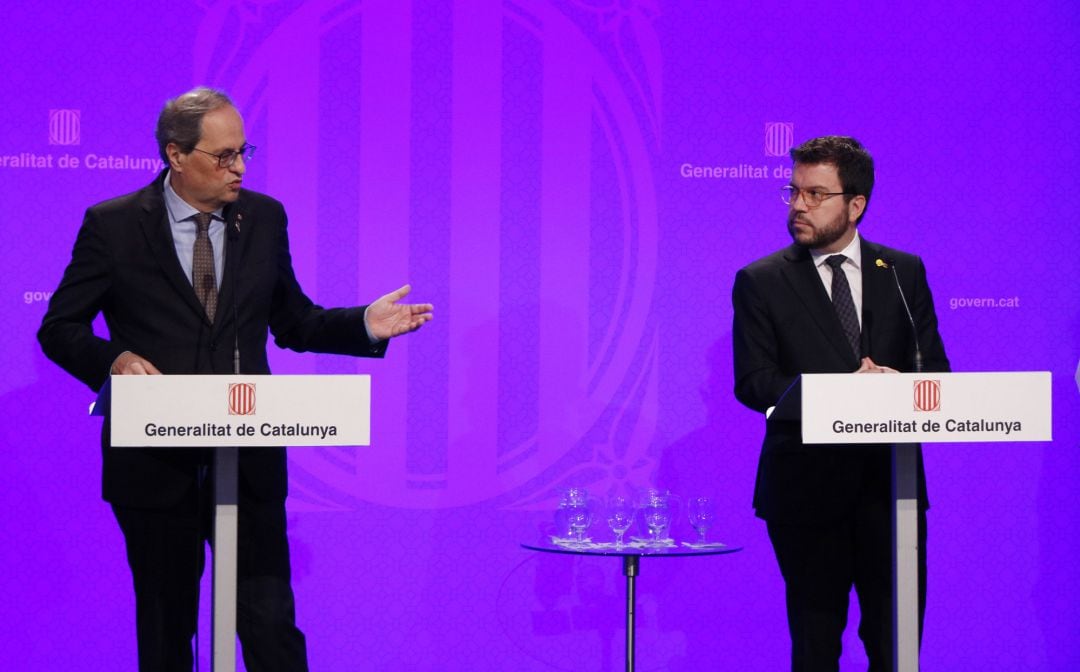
column 811, row 197
column 227, row 158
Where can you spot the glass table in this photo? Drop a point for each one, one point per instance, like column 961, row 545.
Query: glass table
column 631, row 555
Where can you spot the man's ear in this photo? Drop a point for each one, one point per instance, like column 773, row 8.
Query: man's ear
column 856, row 207
column 176, row 157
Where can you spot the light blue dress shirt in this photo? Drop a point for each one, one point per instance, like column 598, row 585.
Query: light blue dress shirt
column 184, row 230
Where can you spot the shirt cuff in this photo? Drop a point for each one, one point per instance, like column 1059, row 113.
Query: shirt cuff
column 371, row 337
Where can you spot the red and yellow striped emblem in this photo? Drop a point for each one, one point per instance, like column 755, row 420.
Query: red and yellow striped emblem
column 241, row 398
column 927, row 395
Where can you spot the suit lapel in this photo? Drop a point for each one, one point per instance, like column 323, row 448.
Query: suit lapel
column 801, row 274
column 237, row 238
column 877, row 292
column 155, row 227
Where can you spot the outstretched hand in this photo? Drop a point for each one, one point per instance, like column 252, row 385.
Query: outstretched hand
column 386, row 318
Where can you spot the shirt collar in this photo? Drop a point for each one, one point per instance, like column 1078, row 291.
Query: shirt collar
column 179, row 209
column 853, row 252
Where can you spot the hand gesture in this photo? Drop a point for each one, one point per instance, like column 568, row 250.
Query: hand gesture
column 386, row 318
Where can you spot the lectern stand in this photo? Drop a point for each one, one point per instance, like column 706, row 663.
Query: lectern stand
column 227, row 413
column 905, row 410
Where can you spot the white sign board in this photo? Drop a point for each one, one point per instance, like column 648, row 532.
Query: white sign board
column 926, row 407
column 210, row 411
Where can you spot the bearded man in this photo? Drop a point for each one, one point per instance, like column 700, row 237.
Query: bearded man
column 828, row 303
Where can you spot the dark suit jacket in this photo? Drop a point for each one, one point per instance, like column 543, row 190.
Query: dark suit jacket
column 785, row 326
column 124, row 265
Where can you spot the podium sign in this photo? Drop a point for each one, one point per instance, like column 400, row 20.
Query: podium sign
column 237, row 410
column 904, row 410
column 926, row 407
column 227, row 413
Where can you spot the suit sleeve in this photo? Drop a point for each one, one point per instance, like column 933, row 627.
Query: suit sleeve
column 298, row 324
column 66, row 334
column 759, row 380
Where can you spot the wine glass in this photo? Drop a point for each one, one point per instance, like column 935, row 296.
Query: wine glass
column 702, row 513
column 578, row 512
column 656, row 511
column 562, row 521
column 620, row 515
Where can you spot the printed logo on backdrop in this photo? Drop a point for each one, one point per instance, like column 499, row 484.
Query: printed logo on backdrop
column 927, row 395
column 778, row 139
column 64, row 130
column 64, row 127
column 592, row 365
column 241, row 398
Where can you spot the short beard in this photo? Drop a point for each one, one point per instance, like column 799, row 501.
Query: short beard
column 821, row 237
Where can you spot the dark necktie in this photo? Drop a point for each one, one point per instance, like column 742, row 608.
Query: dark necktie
column 843, row 304
column 202, row 266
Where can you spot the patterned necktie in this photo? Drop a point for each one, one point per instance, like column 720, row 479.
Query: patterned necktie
column 843, row 304
column 202, row 266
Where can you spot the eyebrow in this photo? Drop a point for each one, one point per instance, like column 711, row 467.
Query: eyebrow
column 231, row 149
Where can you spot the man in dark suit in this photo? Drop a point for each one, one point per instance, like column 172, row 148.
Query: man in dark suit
column 189, row 272
column 828, row 303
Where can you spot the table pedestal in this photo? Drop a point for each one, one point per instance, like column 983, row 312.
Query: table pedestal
column 631, row 562
column 630, row 566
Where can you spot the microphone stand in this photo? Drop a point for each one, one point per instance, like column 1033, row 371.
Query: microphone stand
column 226, row 501
column 907, row 630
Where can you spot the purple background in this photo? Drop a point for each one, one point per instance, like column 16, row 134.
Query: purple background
column 520, row 163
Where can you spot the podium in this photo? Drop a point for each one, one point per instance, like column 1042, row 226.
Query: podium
column 229, row 412
column 905, row 410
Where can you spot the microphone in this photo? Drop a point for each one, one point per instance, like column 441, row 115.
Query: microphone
column 232, row 231
column 891, row 265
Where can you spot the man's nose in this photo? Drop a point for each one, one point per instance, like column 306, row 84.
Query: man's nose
column 798, row 201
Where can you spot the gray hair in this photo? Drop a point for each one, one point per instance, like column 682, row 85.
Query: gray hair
column 180, row 121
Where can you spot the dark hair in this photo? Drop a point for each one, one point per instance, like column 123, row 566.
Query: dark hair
column 180, row 121
column 854, row 165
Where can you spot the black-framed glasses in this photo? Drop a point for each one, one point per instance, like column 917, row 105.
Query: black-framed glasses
column 811, row 197
column 227, row 158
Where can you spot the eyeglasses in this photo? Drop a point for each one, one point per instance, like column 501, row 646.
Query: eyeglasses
column 227, row 158
column 811, row 197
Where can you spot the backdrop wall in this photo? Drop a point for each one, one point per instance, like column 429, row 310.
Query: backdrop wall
column 573, row 184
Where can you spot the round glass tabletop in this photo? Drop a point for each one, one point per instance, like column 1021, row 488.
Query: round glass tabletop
column 673, row 549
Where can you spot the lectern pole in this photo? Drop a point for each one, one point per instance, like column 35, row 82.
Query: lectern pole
column 905, row 557
column 225, row 528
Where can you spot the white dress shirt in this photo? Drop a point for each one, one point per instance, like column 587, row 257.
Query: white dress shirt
column 852, row 269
